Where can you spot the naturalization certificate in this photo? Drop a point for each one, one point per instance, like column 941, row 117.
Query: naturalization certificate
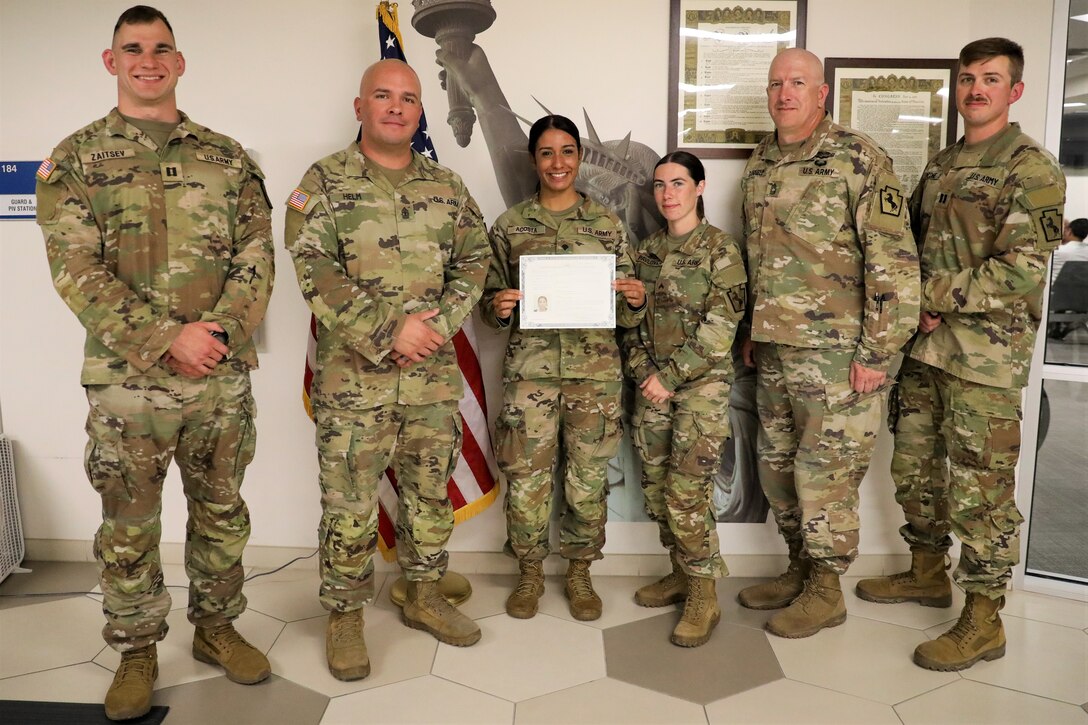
column 567, row 291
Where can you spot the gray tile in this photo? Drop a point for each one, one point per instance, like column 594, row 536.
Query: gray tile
column 640, row 653
column 275, row 700
column 45, row 577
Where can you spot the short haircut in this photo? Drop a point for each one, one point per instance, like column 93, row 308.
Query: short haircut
column 987, row 48
column 1079, row 227
column 141, row 15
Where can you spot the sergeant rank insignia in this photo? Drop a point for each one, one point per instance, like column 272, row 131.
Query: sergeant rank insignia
column 298, row 199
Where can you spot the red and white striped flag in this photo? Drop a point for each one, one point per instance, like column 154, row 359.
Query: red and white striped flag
column 472, row 487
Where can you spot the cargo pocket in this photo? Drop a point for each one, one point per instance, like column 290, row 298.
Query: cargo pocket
column 103, row 459
column 843, row 523
column 611, row 415
column 986, row 429
column 703, row 457
column 247, row 435
column 853, row 417
column 510, row 442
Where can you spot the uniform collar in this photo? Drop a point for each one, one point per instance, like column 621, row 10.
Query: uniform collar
column 116, row 125
column 587, row 210
column 991, row 152
column 359, row 166
column 694, row 243
column 809, row 146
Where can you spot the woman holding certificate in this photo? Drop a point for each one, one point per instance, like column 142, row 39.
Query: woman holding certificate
column 561, row 375
column 680, row 358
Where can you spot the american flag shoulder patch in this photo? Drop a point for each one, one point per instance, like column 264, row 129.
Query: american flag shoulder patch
column 46, row 169
column 298, row 199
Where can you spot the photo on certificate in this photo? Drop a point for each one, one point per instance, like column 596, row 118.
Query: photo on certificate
column 719, row 56
column 901, row 103
column 567, row 291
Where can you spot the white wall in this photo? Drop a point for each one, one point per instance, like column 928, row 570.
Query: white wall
column 280, row 77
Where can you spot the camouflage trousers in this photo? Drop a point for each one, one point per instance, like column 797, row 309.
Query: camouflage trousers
column 539, row 416
column 956, row 448
column 815, row 443
column 134, row 430
column 421, row 444
column 680, row 444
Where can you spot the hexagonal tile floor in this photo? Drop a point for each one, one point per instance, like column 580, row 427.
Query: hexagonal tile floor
column 553, row 668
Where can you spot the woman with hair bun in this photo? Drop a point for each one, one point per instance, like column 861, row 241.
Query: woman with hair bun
column 679, row 356
column 559, row 384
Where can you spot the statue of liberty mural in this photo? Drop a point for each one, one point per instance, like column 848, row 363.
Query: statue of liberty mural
column 616, row 173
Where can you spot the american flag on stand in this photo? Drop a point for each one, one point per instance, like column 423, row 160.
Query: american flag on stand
column 472, row 487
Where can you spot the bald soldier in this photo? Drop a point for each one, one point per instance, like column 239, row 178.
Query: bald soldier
column 833, row 296
column 988, row 214
column 159, row 240
column 391, row 254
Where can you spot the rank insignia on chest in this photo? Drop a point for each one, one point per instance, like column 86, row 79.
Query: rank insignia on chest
column 891, row 201
column 170, row 171
column 942, row 198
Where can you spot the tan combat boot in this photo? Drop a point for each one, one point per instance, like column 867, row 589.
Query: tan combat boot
column 670, row 589
column 585, row 605
column 428, row 610
column 345, row 649
column 522, row 602
column 978, row 635
column 701, row 614
column 925, row 582
column 819, row 605
column 223, row 646
column 779, row 592
column 129, row 695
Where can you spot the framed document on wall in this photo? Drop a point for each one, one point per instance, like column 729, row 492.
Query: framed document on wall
column 907, row 105
column 719, row 55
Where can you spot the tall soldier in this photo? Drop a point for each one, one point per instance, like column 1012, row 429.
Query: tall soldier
column 988, row 213
column 158, row 236
column 833, row 285
column 391, row 253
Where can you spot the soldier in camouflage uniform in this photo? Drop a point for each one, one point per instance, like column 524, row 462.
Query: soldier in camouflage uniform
column 681, row 358
column 987, row 214
column 557, row 383
column 158, row 237
column 833, row 285
column 391, row 253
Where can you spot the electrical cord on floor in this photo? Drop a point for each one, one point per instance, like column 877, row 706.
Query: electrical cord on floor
column 249, row 578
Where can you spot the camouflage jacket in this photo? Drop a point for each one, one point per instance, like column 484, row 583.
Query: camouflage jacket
column 831, row 259
column 986, row 220
column 366, row 255
column 695, row 296
column 141, row 240
column 585, row 354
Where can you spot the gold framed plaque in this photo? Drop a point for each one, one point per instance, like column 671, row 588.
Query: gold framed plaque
column 907, row 105
column 719, row 56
